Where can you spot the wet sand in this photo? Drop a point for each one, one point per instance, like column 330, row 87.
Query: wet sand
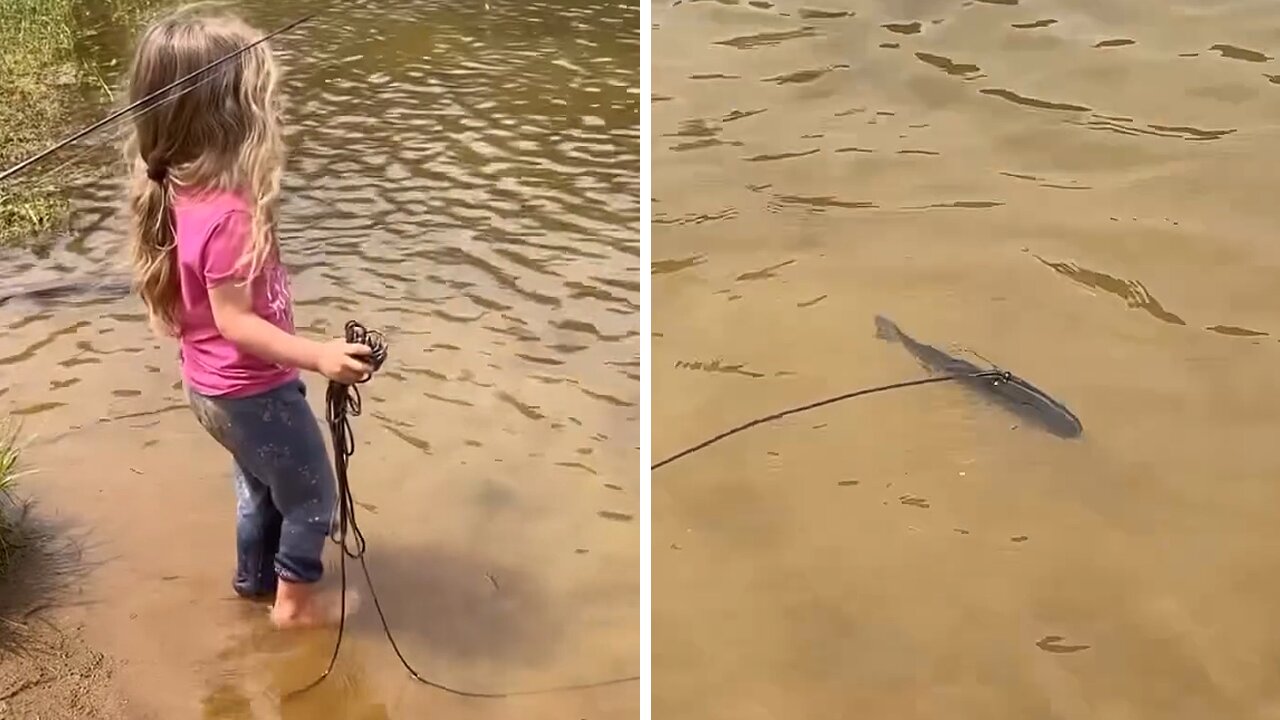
column 1077, row 191
column 445, row 189
column 48, row 671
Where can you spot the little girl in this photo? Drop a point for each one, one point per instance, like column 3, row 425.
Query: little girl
column 206, row 164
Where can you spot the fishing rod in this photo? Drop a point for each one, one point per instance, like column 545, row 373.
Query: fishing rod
column 21, row 166
column 994, row 374
column 342, row 403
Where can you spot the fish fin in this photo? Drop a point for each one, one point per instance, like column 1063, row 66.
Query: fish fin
column 886, row 330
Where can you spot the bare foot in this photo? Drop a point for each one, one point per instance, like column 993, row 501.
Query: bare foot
column 301, row 606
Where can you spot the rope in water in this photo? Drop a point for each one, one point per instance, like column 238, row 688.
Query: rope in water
column 999, row 375
column 343, row 403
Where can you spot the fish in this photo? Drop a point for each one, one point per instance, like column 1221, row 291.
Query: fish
column 76, row 290
column 1033, row 405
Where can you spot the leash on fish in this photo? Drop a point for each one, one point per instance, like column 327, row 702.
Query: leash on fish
column 343, row 402
column 1008, row 390
column 997, row 376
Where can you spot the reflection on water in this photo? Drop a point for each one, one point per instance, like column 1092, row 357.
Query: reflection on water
column 1079, row 191
column 464, row 177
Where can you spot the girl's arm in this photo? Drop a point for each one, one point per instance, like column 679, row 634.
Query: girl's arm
column 231, row 299
column 232, row 304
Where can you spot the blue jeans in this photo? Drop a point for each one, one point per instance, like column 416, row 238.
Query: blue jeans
column 284, row 484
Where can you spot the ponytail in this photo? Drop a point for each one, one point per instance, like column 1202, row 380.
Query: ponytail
column 218, row 134
column 153, row 246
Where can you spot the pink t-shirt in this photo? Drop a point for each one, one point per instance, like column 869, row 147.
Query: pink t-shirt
column 213, row 230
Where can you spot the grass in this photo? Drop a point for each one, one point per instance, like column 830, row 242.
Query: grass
column 38, row 76
column 42, row 83
column 12, row 511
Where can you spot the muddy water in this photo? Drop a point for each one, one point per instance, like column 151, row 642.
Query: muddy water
column 1079, row 191
column 465, row 178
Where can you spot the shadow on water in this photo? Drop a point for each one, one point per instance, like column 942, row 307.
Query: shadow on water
column 464, row 608
column 46, row 564
column 443, row 609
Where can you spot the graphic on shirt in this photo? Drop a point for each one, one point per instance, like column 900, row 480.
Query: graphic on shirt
column 279, row 296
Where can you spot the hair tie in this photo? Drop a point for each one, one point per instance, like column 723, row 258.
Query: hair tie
column 157, row 173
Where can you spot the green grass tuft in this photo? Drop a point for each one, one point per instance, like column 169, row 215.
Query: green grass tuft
column 11, row 509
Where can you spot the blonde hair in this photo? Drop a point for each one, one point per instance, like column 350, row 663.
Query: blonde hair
column 221, row 131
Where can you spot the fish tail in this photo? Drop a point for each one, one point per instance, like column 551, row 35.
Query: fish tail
column 886, row 329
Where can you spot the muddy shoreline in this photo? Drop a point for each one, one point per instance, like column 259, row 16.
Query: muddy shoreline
column 48, row 670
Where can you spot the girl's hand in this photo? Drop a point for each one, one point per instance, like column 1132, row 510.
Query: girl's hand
column 340, row 361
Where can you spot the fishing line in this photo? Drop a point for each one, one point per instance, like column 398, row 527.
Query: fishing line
column 997, row 375
column 115, row 134
column 343, row 403
column 148, row 99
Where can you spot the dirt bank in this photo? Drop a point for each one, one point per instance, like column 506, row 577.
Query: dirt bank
column 47, row 670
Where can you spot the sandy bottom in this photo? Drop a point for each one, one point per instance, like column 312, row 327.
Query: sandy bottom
column 47, row 669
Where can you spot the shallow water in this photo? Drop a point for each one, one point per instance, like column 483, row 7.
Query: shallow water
column 1079, row 191
column 464, row 177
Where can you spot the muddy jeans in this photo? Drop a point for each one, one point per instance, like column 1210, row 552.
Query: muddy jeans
column 284, row 484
